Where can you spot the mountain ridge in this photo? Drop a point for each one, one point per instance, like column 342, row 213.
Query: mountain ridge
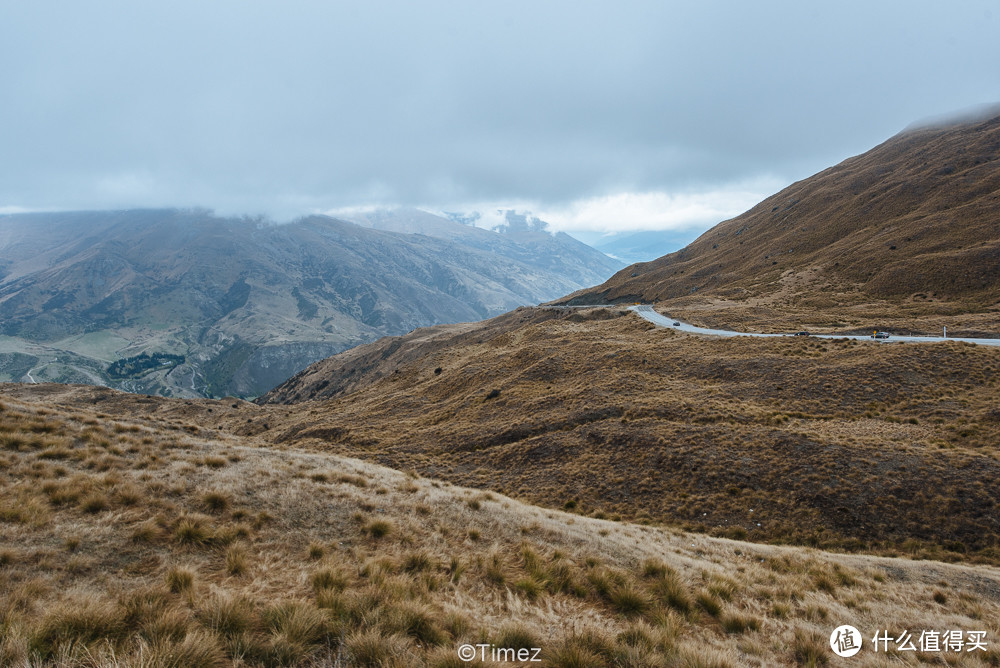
column 249, row 303
column 913, row 218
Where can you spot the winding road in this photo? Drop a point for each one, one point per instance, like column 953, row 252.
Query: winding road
column 646, row 312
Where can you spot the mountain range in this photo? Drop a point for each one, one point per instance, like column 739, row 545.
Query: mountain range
column 559, row 477
column 829, row 441
column 248, row 303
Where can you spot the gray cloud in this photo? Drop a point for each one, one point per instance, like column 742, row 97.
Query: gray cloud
column 282, row 107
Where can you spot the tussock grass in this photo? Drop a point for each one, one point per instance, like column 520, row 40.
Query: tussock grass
column 629, row 600
column 316, row 550
column 84, row 619
column 180, row 579
column 378, row 528
column 216, row 501
column 237, row 586
column 810, row 648
column 770, row 440
column 193, row 530
column 418, row 621
column 708, row 603
column 237, row 560
column 373, row 649
column 736, row 622
column 330, row 577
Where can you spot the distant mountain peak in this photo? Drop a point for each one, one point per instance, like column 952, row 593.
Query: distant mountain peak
column 521, row 222
column 503, row 221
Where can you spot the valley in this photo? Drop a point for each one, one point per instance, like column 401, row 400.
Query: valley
column 580, row 478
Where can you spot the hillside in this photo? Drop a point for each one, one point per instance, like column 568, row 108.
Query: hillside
column 820, row 442
column 133, row 532
column 826, row 443
column 246, row 303
column 907, row 229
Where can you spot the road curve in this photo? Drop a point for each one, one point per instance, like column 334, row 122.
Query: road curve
column 646, row 312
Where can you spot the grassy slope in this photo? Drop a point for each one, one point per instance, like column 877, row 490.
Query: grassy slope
column 148, row 540
column 905, row 232
column 828, row 443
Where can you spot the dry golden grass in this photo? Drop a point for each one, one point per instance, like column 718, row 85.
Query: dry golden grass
column 157, row 581
column 816, row 442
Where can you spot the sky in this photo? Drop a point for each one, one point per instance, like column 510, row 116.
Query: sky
column 595, row 116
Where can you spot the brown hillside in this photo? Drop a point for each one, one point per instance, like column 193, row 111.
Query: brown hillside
column 818, row 442
column 132, row 541
column 914, row 220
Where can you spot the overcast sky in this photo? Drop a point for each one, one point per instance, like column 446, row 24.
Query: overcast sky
column 595, row 115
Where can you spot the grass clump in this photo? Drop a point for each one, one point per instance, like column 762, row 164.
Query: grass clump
column 669, row 590
column 298, row 621
column 129, row 494
column 418, row 621
column 708, row 603
column 330, row 578
column 228, row 615
column 416, row 562
column 192, row 530
column 529, row 586
column 809, row 648
column 373, row 648
column 654, row 569
column 629, row 600
column 237, row 561
column 378, row 528
column 735, row 622
column 516, row 635
column 215, row 501
column 349, row 479
column 180, row 579
column 214, row 462
column 146, row 532
column 198, row 649
column 494, row 568
column 81, row 620
column 94, row 503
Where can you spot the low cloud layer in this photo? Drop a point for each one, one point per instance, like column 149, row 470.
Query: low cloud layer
column 636, row 115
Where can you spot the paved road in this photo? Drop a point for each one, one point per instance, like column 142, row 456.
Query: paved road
column 647, row 312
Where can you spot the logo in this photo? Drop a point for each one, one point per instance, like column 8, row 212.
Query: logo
column 845, row 640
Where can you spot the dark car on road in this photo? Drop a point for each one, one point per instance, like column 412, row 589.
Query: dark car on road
column 801, row 334
column 880, row 335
